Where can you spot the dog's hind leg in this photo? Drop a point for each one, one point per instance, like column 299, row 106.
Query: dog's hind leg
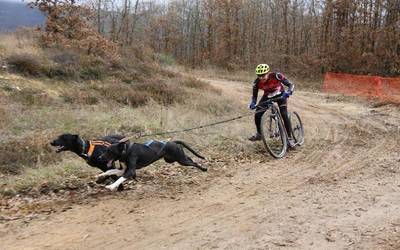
column 189, row 148
column 187, row 161
column 169, row 160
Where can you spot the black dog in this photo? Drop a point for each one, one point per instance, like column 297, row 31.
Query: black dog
column 90, row 150
column 137, row 156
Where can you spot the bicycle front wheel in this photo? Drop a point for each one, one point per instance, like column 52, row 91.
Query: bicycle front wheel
column 273, row 133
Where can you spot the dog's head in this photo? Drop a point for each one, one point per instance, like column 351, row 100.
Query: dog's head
column 114, row 153
column 67, row 142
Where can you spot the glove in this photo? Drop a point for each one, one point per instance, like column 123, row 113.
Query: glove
column 287, row 94
column 291, row 89
column 252, row 104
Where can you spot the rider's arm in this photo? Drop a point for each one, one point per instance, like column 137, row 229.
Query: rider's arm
column 255, row 89
column 285, row 81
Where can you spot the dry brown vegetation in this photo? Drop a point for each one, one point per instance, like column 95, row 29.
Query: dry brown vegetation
column 65, row 94
column 49, row 88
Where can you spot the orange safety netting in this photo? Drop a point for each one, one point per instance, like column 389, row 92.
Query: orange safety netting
column 382, row 88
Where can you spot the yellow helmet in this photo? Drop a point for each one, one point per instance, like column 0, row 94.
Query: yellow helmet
column 262, row 69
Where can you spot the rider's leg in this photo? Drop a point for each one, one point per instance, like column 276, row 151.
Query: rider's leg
column 262, row 105
column 284, row 113
column 260, row 110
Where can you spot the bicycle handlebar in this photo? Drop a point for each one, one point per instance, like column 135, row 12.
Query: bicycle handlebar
column 276, row 98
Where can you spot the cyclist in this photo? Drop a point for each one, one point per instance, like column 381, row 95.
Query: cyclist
column 272, row 84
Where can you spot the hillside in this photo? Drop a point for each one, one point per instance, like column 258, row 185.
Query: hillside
column 16, row 14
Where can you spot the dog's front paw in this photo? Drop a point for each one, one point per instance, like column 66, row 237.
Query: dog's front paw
column 112, row 187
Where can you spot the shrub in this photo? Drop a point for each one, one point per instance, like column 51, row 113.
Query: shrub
column 62, row 72
column 66, row 64
column 69, row 64
column 194, row 83
column 124, row 94
column 162, row 92
column 92, row 67
column 26, row 64
column 64, row 57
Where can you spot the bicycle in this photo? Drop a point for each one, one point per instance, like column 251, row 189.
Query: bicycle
column 273, row 131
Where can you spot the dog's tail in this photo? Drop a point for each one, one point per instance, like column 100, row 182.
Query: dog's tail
column 190, row 149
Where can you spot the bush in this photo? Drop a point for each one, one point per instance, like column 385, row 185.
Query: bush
column 69, row 64
column 138, row 94
column 124, row 94
column 61, row 72
column 92, row 67
column 65, row 57
column 66, row 64
column 194, row 83
column 25, row 152
column 26, row 64
column 162, row 92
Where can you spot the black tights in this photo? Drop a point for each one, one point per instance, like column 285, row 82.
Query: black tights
column 282, row 103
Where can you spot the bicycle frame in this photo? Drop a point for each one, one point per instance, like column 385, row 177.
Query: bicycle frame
column 275, row 110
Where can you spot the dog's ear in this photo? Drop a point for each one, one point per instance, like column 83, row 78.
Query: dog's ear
column 75, row 137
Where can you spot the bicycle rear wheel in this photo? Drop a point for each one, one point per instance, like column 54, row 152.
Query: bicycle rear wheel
column 297, row 128
column 273, row 133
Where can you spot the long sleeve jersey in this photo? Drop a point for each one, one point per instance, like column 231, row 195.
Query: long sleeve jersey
column 274, row 82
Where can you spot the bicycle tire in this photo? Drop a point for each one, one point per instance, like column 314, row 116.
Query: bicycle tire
column 297, row 128
column 273, row 134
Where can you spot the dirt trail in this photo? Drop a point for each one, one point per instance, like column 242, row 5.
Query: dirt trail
column 340, row 190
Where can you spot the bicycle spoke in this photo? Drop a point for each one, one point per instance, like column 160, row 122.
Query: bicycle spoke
column 274, row 137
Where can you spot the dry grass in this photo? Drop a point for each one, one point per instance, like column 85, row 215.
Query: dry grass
column 22, row 53
column 163, row 92
column 20, row 42
column 68, row 174
column 26, row 151
column 195, row 83
column 4, row 117
column 30, row 97
column 94, row 97
column 214, row 72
